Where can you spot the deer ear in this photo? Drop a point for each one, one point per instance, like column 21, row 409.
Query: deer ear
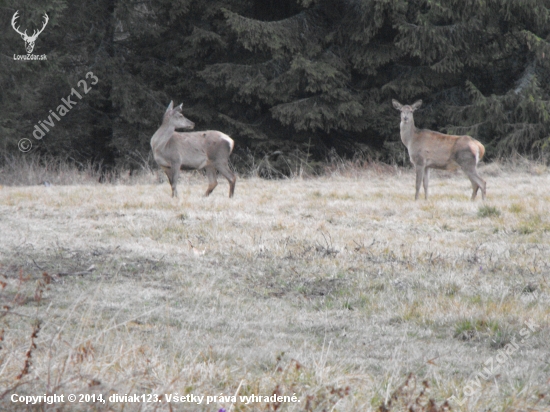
column 179, row 108
column 170, row 106
column 416, row 104
column 396, row 104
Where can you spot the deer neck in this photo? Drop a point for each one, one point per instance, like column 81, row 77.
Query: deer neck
column 162, row 135
column 407, row 132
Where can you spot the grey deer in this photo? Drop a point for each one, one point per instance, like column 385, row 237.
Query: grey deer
column 429, row 149
column 207, row 150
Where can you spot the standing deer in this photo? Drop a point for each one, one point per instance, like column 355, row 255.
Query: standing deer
column 207, row 150
column 429, row 149
column 29, row 40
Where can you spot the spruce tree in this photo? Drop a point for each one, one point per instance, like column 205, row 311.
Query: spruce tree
column 306, row 75
column 77, row 40
column 293, row 83
column 332, row 68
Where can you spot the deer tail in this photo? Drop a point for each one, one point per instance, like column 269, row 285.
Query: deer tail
column 477, row 149
column 229, row 141
column 481, row 150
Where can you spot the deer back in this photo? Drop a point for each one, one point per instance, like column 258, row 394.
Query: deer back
column 196, row 150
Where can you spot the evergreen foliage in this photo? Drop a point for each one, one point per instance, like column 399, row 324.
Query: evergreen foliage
column 279, row 76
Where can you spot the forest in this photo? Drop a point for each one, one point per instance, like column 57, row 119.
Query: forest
column 303, row 78
column 322, row 281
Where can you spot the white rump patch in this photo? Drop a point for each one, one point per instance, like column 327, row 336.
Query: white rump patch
column 477, row 154
column 475, row 151
column 229, row 140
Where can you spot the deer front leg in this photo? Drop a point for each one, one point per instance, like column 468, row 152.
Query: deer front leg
column 173, row 174
column 426, row 181
column 419, row 178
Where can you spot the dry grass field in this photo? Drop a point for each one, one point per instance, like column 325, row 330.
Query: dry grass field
column 340, row 290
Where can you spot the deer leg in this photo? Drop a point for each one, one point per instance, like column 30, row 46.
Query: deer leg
column 481, row 183
column 483, row 188
column 172, row 175
column 212, row 179
column 175, row 170
column 230, row 176
column 426, row 180
column 475, row 188
column 419, row 177
column 477, row 181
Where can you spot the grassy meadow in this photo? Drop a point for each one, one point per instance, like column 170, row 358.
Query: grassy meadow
column 339, row 289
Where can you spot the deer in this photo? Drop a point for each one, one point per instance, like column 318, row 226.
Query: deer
column 208, row 150
column 428, row 149
column 29, row 40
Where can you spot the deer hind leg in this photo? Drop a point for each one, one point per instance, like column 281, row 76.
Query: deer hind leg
column 477, row 183
column 212, row 179
column 469, row 168
column 229, row 175
column 420, row 170
column 426, row 181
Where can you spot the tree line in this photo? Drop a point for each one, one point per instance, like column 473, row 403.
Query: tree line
column 279, row 76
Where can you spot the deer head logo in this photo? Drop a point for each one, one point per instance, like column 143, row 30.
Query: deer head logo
column 29, row 40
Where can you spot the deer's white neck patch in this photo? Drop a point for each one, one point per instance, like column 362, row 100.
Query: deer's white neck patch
column 407, row 131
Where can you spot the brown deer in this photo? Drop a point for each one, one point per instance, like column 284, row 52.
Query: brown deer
column 207, row 150
column 429, row 149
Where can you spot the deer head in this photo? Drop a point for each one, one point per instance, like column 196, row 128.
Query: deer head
column 29, row 40
column 406, row 110
column 175, row 118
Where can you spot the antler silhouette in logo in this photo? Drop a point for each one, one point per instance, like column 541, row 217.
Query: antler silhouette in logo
column 29, row 40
